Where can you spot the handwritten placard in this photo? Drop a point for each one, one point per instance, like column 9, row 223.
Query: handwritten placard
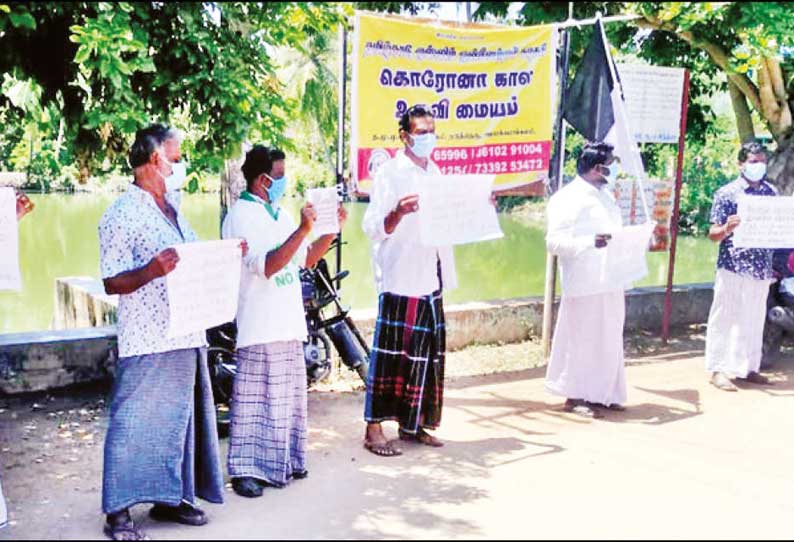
column 456, row 209
column 653, row 97
column 203, row 288
column 766, row 222
column 10, row 278
column 326, row 203
column 625, row 260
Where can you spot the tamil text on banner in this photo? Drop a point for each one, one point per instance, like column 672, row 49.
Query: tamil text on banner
column 203, row 288
column 490, row 88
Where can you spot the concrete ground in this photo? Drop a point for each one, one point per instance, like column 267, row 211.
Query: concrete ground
column 684, row 461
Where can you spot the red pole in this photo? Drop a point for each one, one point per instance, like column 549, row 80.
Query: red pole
column 668, row 294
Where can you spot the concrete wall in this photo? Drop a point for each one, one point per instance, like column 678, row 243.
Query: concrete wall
column 518, row 319
column 84, row 347
column 44, row 360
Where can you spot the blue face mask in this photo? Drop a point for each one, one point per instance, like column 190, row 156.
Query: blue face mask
column 277, row 188
column 423, row 145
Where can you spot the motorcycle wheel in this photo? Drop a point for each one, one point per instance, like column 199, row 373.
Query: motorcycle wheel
column 319, row 366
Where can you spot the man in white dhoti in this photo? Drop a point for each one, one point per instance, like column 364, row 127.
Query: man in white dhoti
column 586, row 365
column 734, row 337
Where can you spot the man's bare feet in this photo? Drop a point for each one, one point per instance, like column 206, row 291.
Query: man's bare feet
column 377, row 443
column 422, row 437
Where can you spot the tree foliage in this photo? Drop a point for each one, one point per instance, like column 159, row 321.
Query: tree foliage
column 109, row 68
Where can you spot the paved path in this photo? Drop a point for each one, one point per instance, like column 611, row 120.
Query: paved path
column 685, row 461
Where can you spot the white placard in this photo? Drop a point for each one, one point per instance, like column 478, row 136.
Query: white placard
column 456, row 209
column 653, row 97
column 766, row 222
column 326, row 203
column 203, row 288
column 625, row 260
column 10, row 278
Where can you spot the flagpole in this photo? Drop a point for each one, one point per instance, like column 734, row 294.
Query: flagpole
column 341, row 187
column 679, row 175
column 584, row 22
column 639, row 168
column 555, row 180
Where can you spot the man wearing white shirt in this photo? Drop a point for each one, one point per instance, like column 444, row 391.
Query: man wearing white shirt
column 23, row 207
column 267, row 440
column 406, row 378
column 586, row 365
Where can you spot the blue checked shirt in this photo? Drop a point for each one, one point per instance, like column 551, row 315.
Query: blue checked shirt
column 748, row 262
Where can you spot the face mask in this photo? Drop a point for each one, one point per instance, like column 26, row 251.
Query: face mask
column 165, row 161
column 754, row 171
column 423, row 145
column 277, row 188
column 612, row 176
column 177, row 177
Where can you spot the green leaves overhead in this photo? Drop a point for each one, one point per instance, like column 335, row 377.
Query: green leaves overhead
column 119, row 66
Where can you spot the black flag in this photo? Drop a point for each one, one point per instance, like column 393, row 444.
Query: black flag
column 588, row 102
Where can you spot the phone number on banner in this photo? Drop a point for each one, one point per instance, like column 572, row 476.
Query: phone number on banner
column 486, row 159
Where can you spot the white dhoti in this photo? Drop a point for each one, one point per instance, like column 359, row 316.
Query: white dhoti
column 3, row 511
column 735, row 332
column 587, row 352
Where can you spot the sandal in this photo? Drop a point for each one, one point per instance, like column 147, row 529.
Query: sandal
column 582, row 409
column 121, row 530
column 385, row 449
column 422, row 437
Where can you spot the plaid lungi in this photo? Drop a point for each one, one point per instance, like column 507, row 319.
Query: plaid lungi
column 162, row 439
column 267, row 437
column 406, row 372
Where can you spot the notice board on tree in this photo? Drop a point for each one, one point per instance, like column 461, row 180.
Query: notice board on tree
column 653, row 101
column 490, row 88
column 653, row 96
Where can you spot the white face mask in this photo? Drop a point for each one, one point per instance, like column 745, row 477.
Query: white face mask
column 612, row 177
column 177, row 177
column 754, row 171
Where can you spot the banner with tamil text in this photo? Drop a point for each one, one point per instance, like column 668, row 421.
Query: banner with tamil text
column 491, row 89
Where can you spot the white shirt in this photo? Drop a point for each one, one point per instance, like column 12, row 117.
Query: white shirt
column 132, row 231
column 575, row 214
column 401, row 264
column 268, row 310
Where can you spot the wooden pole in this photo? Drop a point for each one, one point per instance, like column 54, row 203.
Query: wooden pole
column 555, row 180
column 668, row 294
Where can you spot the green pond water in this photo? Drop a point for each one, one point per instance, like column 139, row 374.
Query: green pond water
column 59, row 239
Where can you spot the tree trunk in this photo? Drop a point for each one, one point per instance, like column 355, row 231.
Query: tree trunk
column 232, row 181
column 744, row 119
column 781, row 165
column 774, row 100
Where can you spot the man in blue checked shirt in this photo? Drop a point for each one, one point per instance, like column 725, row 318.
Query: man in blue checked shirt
column 734, row 338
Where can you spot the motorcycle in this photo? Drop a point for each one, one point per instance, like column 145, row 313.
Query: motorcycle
column 324, row 332
column 779, row 325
